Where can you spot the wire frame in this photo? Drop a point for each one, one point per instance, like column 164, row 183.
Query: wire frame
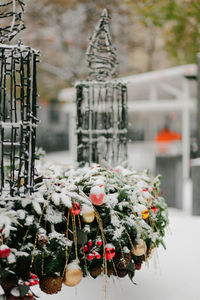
column 102, row 122
column 11, row 19
column 18, row 118
column 101, row 56
column 102, row 118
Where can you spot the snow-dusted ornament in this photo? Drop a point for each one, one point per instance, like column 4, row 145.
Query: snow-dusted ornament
column 73, row 274
column 18, row 105
column 4, row 251
column 140, row 248
column 110, row 251
column 101, row 103
column 97, row 194
column 88, row 214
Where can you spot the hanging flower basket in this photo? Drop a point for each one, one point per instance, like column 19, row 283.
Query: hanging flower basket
column 81, row 222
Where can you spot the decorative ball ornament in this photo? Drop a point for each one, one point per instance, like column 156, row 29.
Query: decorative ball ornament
column 90, row 256
column 140, row 248
column 90, row 243
column 99, row 242
column 145, row 214
column 4, row 251
column 97, row 194
column 85, row 248
column 88, row 217
column 73, row 275
column 110, row 251
column 51, row 284
column 98, row 256
column 75, row 210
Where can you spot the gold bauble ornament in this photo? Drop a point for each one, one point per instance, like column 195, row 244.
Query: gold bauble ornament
column 88, row 217
column 140, row 248
column 73, row 275
column 145, row 214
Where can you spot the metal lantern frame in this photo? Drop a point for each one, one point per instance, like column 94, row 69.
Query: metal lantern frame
column 102, row 118
column 18, row 109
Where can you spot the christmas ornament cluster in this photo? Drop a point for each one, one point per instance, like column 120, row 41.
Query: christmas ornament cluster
column 80, row 222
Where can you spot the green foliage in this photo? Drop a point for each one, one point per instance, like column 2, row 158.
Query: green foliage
column 179, row 24
column 81, row 236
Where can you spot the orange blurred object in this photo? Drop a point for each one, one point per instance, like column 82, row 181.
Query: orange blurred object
column 165, row 135
column 165, row 139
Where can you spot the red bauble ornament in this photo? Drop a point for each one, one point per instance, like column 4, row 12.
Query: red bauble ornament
column 154, row 209
column 33, row 276
column 110, row 251
column 90, row 243
column 75, row 208
column 98, row 256
column 85, row 249
column 138, row 266
column 99, row 243
column 90, row 256
column 36, row 281
column 4, row 251
column 97, row 194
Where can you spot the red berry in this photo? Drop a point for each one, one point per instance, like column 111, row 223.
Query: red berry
column 85, row 248
column 154, row 209
column 145, row 190
column 138, row 266
column 4, row 251
column 99, row 243
column 33, row 276
column 90, row 243
column 90, row 256
column 98, row 256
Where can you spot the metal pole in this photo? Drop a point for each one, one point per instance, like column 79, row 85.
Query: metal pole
column 198, row 103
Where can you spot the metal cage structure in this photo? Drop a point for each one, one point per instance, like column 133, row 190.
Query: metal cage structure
column 102, row 118
column 18, row 116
